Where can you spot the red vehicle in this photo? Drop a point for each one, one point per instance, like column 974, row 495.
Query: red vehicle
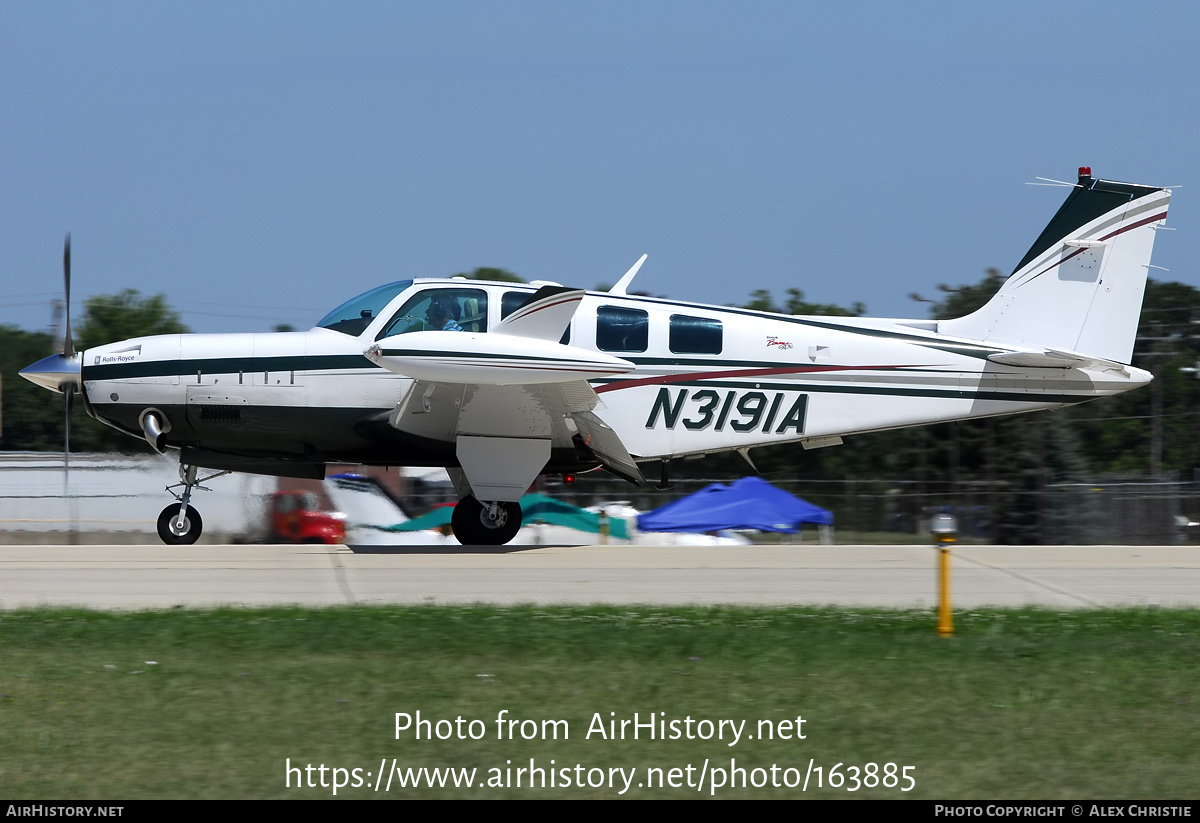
column 297, row 517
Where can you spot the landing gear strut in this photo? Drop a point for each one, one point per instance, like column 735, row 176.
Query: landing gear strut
column 179, row 524
column 485, row 524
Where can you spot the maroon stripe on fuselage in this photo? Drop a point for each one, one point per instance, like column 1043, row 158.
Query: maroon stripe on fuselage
column 717, row 375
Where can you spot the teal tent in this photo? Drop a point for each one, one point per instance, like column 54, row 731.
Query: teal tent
column 536, row 508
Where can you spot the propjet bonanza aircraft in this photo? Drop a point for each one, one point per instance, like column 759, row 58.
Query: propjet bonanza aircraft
column 500, row 383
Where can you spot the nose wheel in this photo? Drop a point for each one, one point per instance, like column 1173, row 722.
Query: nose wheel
column 179, row 531
column 179, row 524
column 485, row 524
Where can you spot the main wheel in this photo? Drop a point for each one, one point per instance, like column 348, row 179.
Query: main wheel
column 192, row 526
column 473, row 526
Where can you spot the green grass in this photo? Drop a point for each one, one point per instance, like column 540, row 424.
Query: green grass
column 1019, row 704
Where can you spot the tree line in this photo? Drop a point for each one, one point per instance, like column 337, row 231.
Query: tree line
column 997, row 464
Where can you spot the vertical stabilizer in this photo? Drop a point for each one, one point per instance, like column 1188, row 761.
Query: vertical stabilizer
column 1079, row 287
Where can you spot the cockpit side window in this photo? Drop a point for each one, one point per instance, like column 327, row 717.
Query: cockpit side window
column 353, row 316
column 439, row 310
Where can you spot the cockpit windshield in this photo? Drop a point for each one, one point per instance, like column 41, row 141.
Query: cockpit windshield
column 355, row 315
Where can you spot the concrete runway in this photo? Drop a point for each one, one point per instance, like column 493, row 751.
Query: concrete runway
column 143, row 577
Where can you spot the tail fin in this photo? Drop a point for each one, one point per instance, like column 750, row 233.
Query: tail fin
column 1079, row 288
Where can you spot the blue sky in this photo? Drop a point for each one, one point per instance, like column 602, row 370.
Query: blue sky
column 259, row 163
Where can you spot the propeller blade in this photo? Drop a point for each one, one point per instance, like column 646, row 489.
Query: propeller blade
column 68, row 343
column 69, row 402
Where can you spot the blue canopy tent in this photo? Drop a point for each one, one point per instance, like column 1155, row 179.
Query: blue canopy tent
column 749, row 503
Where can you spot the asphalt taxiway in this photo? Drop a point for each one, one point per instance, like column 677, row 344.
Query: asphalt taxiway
column 145, row 577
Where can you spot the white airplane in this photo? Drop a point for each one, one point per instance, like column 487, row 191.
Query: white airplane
column 503, row 382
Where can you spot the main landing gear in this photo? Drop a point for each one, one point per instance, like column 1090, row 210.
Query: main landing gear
column 179, row 524
column 485, row 524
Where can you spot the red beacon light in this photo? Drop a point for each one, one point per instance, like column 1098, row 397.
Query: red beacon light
column 1085, row 171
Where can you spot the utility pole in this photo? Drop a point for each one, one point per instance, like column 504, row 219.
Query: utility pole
column 1156, row 395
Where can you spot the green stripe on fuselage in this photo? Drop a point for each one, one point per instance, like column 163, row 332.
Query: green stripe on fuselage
column 459, row 355
column 226, row 365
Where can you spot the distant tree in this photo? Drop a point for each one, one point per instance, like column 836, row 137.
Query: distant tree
column 108, row 318
column 1041, row 452
column 1122, row 434
column 966, row 299
column 488, row 273
column 283, row 327
column 31, row 418
column 762, row 300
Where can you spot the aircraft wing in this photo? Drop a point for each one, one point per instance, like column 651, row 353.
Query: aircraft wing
column 507, row 399
column 504, row 435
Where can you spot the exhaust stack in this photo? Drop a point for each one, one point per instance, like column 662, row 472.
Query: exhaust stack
column 154, row 427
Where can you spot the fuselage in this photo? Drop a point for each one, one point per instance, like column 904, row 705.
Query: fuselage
column 695, row 378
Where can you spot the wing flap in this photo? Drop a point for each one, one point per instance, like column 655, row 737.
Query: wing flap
column 607, row 446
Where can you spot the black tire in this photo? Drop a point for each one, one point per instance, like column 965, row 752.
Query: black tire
column 472, row 527
column 192, row 526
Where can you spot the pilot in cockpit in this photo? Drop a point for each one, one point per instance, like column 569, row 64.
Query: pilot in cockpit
column 443, row 315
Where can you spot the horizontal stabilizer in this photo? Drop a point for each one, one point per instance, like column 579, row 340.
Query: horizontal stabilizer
column 1051, row 359
column 1039, row 360
column 545, row 315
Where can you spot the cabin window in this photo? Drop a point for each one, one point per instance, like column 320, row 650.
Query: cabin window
column 438, row 310
column 620, row 329
column 695, row 335
column 510, row 301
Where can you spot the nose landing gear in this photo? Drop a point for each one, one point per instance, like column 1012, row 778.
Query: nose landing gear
column 176, row 530
column 179, row 524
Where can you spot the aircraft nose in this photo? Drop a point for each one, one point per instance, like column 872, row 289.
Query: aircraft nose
column 55, row 372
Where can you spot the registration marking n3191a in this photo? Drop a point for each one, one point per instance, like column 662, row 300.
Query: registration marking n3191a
column 741, row 410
